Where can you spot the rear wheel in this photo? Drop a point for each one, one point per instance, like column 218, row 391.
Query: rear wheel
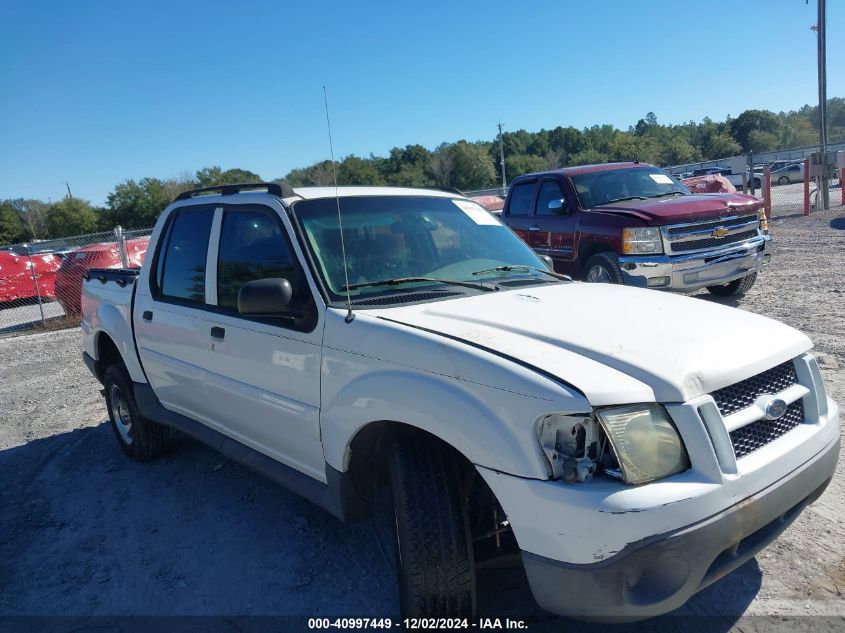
column 139, row 438
column 603, row 269
column 434, row 555
column 735, row 288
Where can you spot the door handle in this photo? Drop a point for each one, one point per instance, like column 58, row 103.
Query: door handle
column 148, row 315
column 218, row 332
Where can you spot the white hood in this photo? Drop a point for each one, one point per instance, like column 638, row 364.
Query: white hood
column 615, row 344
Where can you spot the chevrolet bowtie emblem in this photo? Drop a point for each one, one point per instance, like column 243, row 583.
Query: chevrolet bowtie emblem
column 720, row 232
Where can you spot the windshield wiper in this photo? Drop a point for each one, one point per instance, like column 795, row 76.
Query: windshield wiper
column 669, row 193
column 407, row 280
column 623, row 199
column 522, row 268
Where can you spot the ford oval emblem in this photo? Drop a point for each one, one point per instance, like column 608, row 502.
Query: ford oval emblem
column 775, row 409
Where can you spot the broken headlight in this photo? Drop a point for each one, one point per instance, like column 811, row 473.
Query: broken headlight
column 644, row 441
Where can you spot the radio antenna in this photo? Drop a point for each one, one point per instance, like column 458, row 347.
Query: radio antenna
column 350, row 316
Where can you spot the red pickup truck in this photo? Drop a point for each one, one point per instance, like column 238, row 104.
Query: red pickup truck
column 632, row 223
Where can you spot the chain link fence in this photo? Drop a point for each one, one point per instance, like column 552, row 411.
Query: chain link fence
column 41, row 281
column 790, row 182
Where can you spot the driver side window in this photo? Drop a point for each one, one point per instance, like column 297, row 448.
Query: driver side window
column 550, row 192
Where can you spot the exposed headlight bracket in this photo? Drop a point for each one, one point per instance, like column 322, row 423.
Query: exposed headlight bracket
column 569, row 444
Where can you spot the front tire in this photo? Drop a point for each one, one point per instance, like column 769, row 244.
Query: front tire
column 140, row 439
column 604, row 269
column 434, row 554
column 783, row 180
column 735, row 288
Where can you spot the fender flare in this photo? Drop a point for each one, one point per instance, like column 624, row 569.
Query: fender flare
column 440, row 406
column 114, row 323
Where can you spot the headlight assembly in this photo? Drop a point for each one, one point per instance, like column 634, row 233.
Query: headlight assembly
column 645, row 442
column 641, row 240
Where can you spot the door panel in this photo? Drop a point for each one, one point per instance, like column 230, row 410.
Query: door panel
column 520, row 216
column 263, row 377
column 556, row 235
column 172, row 343
column 264, row 387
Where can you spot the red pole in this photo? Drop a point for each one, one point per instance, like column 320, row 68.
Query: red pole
column 767, row 192
column 806, row 186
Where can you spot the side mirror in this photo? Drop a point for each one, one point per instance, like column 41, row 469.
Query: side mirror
column 558, row 205
column 266, row 297
column 550, row 264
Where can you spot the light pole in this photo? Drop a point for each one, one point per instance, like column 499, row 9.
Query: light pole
column 502, row 156
column 821, row 35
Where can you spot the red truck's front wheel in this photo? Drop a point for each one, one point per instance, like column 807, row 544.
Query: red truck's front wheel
column 603, row 269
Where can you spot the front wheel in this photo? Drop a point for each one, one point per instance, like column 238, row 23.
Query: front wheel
column 735, row 288
column 783, row 180
column 139, row 438
column 434, row 555
column 603, row 269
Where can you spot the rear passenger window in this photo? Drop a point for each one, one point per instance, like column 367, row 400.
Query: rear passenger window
column 521, row 198
column 252, row 247
column 181, row 262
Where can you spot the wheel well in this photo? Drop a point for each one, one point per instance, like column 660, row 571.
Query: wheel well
column 367, row 453
column 591, row 249
column 107, row 353
column 492, row 537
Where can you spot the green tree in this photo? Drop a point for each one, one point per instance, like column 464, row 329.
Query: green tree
column 71, row 216
column 358, row 171
column 760, row 141
column 750, row 120
column 136, row 204
column 12, row 227
column 678, row 151
column 626, row 147
column 473, row 166
column 215, row 176
column 524, row 164
column 720, row 145
column 588, row 157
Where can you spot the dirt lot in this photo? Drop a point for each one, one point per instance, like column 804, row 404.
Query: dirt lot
column 86, row 532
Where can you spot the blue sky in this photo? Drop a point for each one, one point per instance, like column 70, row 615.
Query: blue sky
column 97, row 92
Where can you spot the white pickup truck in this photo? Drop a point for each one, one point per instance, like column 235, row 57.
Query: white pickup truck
column 627, row 447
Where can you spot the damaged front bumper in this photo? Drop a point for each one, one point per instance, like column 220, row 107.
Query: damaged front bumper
column 658, row 574
column 688, row 273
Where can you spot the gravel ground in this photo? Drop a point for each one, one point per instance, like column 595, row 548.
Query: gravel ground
column 86, row 532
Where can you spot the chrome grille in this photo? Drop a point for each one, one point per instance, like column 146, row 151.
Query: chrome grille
column 712, row 242
column 703, row 226
column 697, row 236
column 750, row 437
column 743, row 394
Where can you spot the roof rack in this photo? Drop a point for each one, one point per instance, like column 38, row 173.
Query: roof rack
column 282, row 190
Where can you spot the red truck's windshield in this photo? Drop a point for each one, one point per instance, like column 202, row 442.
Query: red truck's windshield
column 630, row 183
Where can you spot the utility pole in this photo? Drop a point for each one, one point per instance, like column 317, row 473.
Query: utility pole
column 821, row 34
column 69, row 194
column 502, row 156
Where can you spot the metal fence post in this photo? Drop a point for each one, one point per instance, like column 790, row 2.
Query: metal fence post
column 842, row 185
column 121, row 246
column 806, row 186
column 767, row 192
column 35, row 283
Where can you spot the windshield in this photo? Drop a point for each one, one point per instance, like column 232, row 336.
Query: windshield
column 397, row 237
column 629, row 183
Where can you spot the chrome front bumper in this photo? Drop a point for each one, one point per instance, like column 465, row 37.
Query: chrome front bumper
column 687, row 273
